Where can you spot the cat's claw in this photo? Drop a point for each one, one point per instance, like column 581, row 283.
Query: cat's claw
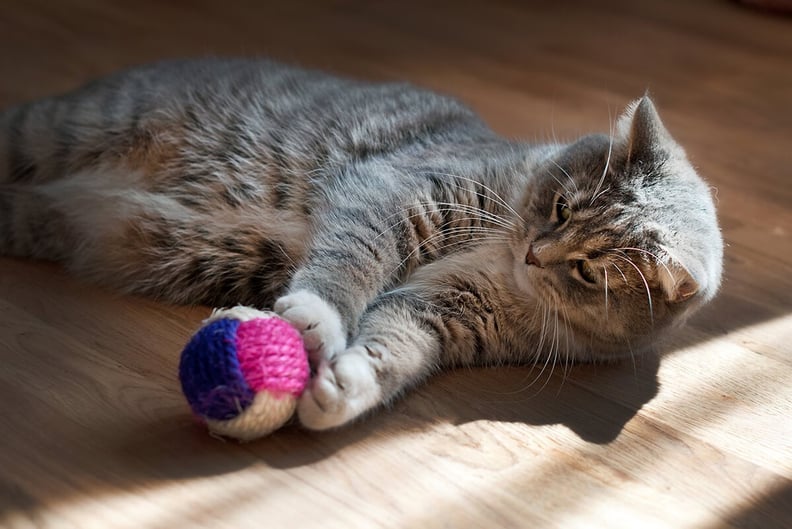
column 318, row 322
column 340, row 391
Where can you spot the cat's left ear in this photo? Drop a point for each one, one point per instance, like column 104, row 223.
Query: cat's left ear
column 643, row 134
column 678, row 284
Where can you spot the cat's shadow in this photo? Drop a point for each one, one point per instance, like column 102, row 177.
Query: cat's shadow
column 593, row 401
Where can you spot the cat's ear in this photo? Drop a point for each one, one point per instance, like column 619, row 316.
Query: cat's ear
column 677, row 282
column 645, row 138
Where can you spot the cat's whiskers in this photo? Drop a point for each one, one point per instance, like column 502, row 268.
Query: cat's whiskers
column 643, row 278
column 647, row 252
column 452, row 208
column 595, row 194
column 495, row 195
column 545, row 310
column 632, row 357
column 410, row 215
column 401, row 221
column 568, row 196
column 566, row 173
column 486, row 215
column 601, row 193
column 553, row 356
column 497, row 198
column 552, row 128
column 556, row 354
column 567, row 359
column 490, row 234
column 537, row 321
column 605, row 271
column 458, row 230
column 554, row 351
column 448, row 207
column 545, row 334
column 621, row 272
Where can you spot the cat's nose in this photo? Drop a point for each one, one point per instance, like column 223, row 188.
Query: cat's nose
column 531, row 259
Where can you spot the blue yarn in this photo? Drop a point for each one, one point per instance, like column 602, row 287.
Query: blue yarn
column 210, row 374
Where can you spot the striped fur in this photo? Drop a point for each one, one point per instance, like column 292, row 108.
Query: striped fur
column 388, row 223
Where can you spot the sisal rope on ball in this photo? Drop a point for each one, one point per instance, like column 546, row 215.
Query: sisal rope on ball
column 243, row 371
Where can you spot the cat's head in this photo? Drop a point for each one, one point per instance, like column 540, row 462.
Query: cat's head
column 620, row 236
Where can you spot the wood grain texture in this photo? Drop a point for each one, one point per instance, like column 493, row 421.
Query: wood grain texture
column 96, row 433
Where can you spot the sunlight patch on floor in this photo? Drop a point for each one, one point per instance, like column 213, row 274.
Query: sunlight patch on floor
column 721, row 390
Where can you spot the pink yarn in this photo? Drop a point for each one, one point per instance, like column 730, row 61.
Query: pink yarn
column 272, row 357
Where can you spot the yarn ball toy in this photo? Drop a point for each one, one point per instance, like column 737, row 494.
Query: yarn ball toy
column 243, row 371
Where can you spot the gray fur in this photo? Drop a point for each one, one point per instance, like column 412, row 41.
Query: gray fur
column 395, row 211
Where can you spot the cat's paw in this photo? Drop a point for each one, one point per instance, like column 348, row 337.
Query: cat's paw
column 319, row 323
column 342, row 390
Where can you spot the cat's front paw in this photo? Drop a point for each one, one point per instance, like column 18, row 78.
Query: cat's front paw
column 319, row 323
column 341, row 390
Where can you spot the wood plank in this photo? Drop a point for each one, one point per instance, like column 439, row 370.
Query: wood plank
column 697, row 436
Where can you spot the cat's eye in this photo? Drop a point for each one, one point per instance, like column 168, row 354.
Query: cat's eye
column 586, row 271
column 562, row 210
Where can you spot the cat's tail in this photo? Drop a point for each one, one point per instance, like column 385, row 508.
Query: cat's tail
column 9, row 194
column 25, row 143
column 39, row 138
column 7, row 144
column 45, row 142
column 29, row 149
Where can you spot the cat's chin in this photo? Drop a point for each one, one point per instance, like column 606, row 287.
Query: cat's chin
column 525, row 286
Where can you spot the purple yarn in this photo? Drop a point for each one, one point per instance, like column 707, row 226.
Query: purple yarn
column 210, row 374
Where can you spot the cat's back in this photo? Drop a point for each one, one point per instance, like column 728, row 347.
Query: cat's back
column 237, row 112
column 305, row 109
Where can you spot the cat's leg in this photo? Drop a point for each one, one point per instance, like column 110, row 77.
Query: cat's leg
column 394, row 350
column 31, row 227
column 404, row 337
column 29, row 224
column 321, row 325
column 10, row 169
column 361, row 246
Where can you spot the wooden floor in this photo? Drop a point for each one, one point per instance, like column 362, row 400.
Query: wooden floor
column 95, row 432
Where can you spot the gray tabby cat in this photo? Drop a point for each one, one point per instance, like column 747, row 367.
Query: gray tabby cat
column 396, row 231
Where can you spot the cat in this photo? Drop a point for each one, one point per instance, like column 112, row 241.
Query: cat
column 389, row 224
